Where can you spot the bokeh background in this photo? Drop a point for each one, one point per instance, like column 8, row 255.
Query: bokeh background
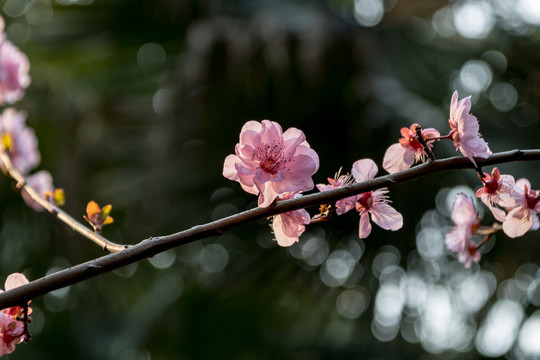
column 137, row 104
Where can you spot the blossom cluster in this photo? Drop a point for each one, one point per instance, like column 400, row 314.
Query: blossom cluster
column 277, row 165
column 18, row 141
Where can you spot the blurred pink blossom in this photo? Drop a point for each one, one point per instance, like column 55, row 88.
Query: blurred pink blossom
column 497, row 190
column 374, row 203
column 465, row 129
column 523, row 217
column 469, row 254
column 41, row 182
column 403, row 155
column 465, row 217
column 23, row 149
column 269, row 161
column 14, row 68
column 289, row 226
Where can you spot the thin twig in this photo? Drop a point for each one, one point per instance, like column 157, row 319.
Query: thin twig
column 152, row 246
column 56, row 211
column 422, row 141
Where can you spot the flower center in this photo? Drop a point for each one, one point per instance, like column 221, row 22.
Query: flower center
column 414, row 143
column 271, row 157
column 270, row 165
column 366, row 200
column 492, row 186
column 532, row 199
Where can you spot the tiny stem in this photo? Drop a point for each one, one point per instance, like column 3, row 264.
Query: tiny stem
column 422, row 141
column 440, row 137
column 489, row 230
column 56, row 211
column 484, row 241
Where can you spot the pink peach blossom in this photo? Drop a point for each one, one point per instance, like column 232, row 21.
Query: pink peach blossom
column 289, row 226
column 403, row 155
column 497, row 190
column 23, row 149
column 14, row 68
column 343, row 205
column 465, row 217
column 523, row 217
column 269, row 161
column 41, row 182
column 11, row 334
column 374, row 203
column 465, row 129
column 11, row 327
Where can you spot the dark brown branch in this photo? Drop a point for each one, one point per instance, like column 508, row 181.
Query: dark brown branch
column 152, row 246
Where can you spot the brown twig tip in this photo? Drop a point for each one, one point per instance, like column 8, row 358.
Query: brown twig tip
column 421, row 140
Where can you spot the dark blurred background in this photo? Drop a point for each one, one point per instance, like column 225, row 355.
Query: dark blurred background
column 137, row 104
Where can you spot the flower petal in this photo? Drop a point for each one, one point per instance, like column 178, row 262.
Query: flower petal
column 395, row 158
column 364, row 228
column 15, row 280
column 386, row 216
column 364, row 169
column 517, row 222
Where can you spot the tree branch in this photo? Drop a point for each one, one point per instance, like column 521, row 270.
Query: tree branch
column 152, row 246
column 56, row 211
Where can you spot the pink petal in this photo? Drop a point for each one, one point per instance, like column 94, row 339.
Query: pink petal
column 498, row 214
column 15, row 280
column 463, row 211
column 271, row 131
column 430, row 133
column 298, row 177
column 282, row 238
column 251, row 125
column 267, row 196
column 517, row 222
column 521, row 183
column 365, row 226
column 364, row 169
column 469, row 255
column 395, row 158
column 229, row 167
column 386, row 216
column 345, row 205
column 456, row 239
column 292, row 138
column 536, row 223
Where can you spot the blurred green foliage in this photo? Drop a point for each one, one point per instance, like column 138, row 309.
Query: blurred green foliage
column 137, row 104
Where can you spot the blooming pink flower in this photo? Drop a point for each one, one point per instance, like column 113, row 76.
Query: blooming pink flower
column 469, row 254
column 289, row 226
column 14, row 67
column 523, row 217
column 269, row 161
column 465, row 216
column 497, row 190
column 11, row 325
column 41, row 182
column 343, row 205
column 465, row 129
column 374, row 203
column 403, row 155
column 22, row 141
column 11, row 333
